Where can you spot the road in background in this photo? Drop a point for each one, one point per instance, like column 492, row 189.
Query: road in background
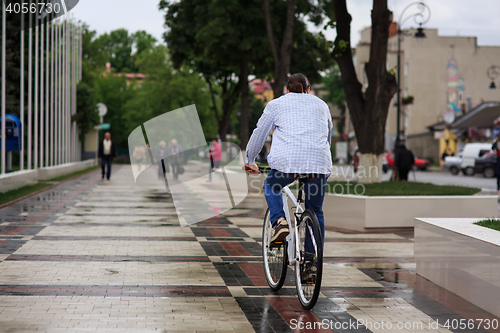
column 344, row 172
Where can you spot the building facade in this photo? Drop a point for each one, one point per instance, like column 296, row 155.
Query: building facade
column 443, row 74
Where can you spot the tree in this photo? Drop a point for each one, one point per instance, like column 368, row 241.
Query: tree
column 285, row 19
column 166, row 89
column 114, row 92
column 282, row 56
column 368, row 109
column 223, row 40
column 86, row 115
column 226, row 41
column 332, row 83
column 119, row 48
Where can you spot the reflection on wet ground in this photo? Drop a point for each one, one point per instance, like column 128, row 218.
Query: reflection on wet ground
column 111, row 256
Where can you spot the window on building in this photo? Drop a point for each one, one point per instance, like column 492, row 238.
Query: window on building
column 406, row 68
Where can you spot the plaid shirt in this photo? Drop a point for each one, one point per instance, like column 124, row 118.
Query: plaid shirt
column 302, row 127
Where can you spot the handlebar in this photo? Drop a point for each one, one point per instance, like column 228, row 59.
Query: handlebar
column 262, row 169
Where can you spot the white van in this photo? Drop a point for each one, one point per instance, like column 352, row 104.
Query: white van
column 470, row 153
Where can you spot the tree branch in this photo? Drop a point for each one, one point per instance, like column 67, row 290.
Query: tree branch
column 212, row 94
column 343, row 55
column 269, row 29
column 287, row 43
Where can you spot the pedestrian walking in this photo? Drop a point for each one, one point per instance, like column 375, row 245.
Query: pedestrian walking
column 176, row 158
column 106, row 152
column 403, row 161
column 161, row 153
column 215, row 157
column 139, row 155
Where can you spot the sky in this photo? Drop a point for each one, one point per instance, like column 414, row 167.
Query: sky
column 476, row 18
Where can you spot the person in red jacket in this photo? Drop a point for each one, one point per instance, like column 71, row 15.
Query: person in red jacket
column 215, row 157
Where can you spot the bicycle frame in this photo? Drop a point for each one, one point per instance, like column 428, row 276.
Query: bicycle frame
column 292, row 238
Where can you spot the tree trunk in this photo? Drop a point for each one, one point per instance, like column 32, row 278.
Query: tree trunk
column 368, row 109
column 282, row 57
column 245, row 100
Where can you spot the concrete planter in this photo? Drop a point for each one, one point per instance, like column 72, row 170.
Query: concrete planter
column 356, row 212
column 461, row 257
column 18, row 179
column 64, row 169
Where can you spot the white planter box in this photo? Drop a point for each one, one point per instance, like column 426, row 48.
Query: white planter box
column 64, row 169
column 357, row 212
column 461, row 257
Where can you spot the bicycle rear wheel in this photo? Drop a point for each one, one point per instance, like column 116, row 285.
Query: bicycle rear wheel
column 309, row 267
column 274, row 256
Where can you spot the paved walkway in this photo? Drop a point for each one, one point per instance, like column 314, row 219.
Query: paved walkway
column 97, row 256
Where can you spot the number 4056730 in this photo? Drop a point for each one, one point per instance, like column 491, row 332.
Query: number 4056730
column 33, row 8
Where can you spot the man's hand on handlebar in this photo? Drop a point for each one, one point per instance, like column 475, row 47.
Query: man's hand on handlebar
column 251, row 168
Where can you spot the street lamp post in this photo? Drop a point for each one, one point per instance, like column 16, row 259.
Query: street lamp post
column 493, row 72
column 421, row 17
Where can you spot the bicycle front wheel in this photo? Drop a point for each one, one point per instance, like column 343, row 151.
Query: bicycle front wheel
column 274, row 256
column 309, row 266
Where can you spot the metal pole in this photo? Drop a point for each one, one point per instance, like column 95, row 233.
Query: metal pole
column 56, row 93
column 30, row 90
column 52, row 79
column 42, row 110
column 2, row 125
column 66, row 90
column 47, row 94
column 35, row 137
column 21, row 97
column 398, row 102
column 59, row 102
column 73, row 90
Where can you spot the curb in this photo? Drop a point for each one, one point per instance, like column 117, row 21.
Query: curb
column 43, row 189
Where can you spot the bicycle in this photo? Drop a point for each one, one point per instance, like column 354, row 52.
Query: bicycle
column 302, row 248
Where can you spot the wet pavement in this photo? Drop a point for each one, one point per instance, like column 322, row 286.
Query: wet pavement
column 108, row 256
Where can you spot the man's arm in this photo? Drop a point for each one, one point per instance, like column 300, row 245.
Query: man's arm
column 100, row 149
column 259, row 135
column 330, row 126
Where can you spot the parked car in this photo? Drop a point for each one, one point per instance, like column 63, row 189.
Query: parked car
column 420, row 163
column 470, row 153
column 385, row 164
column 486, row 164
column 453, row 163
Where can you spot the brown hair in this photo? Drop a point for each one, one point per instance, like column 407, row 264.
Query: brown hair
column 297, row 83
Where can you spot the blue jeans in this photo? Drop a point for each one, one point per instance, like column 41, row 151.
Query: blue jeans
column 314, row 193
column 106, row 162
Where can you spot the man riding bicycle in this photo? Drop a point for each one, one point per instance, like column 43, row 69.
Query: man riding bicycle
column 302, row 128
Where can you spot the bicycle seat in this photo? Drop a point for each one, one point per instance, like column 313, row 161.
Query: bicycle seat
column 305, row 177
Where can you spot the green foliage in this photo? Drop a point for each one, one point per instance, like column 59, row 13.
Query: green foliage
column 166, row 89
column 114, row 92
column 332, row 82
column 311, row 54
column 399, row 189
column 491, row 223
column 21, row 192
column 86, row 115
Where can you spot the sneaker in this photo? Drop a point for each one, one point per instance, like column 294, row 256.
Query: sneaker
column 309, row 273
column 280, row 231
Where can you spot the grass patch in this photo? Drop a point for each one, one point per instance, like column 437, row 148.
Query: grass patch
column 28, row 189
column 399, row 189
column 489, row 223
column 21, row 192
column 73, row 174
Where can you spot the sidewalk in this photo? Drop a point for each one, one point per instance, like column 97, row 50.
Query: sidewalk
column 97, row 256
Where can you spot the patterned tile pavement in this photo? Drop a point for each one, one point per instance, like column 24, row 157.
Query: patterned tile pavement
column 94, row 256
